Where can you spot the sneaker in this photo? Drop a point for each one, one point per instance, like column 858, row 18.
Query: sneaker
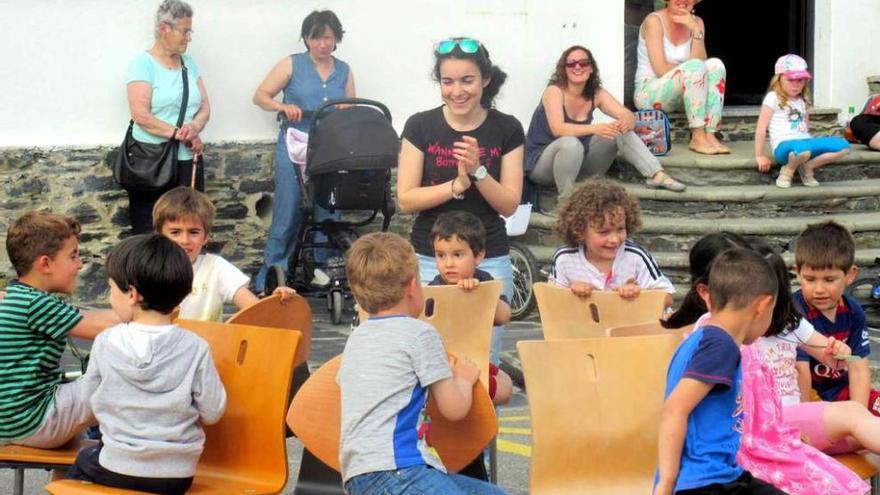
column 320, row 278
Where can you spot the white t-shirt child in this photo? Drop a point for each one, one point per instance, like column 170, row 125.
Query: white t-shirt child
column 780, row 354
column 215, row 282
column 786, row 123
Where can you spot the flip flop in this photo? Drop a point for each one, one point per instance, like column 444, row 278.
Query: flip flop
column 709, row 150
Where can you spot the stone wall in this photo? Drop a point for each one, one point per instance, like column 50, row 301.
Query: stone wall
column 78, row 182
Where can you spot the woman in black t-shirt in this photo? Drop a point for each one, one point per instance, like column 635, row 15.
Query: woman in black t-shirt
column 463, row 155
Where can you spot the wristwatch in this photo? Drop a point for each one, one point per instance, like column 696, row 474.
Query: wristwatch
column 479, row 174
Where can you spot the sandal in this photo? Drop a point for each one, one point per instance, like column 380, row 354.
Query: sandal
column 808, row 179
column 667, row 183
column 784, row 179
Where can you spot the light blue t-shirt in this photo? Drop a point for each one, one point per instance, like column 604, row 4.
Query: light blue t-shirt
column 167, row 87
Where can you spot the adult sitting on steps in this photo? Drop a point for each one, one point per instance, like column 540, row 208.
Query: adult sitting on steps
column 563, row 144
column 673, row 72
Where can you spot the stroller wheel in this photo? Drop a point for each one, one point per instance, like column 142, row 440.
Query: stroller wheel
column 335, row 303
column 275, row 278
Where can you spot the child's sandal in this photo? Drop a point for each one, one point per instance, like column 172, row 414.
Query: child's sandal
column 808, row 179
column 784, row 179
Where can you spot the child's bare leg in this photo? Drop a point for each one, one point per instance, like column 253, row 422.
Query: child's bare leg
column 786, row 172
column 851, row 420
column 820, row 161
column 874, row 143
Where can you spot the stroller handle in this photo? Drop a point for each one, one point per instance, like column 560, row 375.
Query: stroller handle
column 314, row 115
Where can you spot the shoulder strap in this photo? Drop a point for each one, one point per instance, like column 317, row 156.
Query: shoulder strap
column 183, row 103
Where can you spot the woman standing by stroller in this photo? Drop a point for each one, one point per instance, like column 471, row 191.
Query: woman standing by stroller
column 307, row 79
column 463, row 155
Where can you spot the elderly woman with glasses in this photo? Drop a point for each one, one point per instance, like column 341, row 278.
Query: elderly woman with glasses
column 306, row 80
column 563, row 144
column 155, row 94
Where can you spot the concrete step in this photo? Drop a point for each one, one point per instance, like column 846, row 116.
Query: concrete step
column 738, row 123
column 740, row 167
column 677, row 233
column 760, row 200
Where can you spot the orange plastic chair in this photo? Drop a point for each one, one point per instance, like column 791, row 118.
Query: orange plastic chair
column 594, row 405
column 21, row 458
column 866, row 466
column 246, row 451
column 567, row 316
column 315, row 417
column 294, row 314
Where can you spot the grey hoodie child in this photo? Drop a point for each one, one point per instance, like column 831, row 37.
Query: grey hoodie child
column 150, row 387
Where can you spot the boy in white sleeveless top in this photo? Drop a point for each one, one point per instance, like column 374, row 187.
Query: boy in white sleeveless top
column 186, row 216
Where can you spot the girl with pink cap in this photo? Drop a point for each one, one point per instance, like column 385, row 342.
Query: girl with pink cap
column 784, row 113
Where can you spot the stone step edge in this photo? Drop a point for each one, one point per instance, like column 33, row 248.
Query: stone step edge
column 754, row 111
column 855, row 222
column 860, row 155
column 667, row 259
column 751, row 193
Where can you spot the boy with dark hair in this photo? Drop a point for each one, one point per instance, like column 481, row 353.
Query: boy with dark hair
column 459, row 240
column 824, row 255
column 36, row 409
column 701, row 422
column 150, row 383
column 390, row 363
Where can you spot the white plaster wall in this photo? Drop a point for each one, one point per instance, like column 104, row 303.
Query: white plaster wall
column 64, row 62
column 847, row 50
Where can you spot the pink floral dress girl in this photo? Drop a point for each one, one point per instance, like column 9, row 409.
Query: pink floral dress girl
column 773, row 451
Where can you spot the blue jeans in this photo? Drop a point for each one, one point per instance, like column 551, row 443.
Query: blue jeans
column 816, row 147
column 500, row 268
column 286, row 215
column 417, row 480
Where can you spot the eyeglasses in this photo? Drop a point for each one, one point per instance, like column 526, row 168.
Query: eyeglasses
column 582, row 63
column 467, row 45
column 187, row 33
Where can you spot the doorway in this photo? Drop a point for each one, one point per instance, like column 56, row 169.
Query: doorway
column 748, row 35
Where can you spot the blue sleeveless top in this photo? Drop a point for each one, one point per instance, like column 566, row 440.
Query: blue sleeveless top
column 539, row 135
column 308, row 91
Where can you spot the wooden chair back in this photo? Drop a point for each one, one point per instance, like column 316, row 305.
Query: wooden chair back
column 464, row 320
column 594, row 406
column 294, row 314
column 640, row 329
column 315, row 418
column 245, row 452
column 567, row 316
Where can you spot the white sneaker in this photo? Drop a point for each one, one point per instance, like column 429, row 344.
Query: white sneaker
column 320, row 279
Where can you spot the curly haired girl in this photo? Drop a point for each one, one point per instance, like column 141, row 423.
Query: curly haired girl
column 594, row 223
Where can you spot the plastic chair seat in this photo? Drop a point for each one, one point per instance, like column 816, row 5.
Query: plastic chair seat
column 865, row 464
column 62, row 456
column 218, row 486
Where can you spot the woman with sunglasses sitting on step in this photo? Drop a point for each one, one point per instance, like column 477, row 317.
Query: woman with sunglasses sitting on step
column 563, row 144
column 463, row 155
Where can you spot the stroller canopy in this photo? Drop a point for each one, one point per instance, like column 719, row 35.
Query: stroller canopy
column 354, row 138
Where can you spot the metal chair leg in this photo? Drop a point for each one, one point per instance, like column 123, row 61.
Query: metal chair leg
column 875, row 484
column 18, row 483
column 493, row 460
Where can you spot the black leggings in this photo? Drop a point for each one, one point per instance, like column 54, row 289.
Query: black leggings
column 865, row 127
column 140, row 203
column 746, row 484
column 87, row 468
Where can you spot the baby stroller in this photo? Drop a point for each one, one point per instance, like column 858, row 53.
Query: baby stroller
column 349, row 158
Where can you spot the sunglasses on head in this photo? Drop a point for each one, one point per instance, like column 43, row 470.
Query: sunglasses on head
column 467, row 45
column 582, row 63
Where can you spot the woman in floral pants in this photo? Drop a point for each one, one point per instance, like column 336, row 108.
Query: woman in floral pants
column 673, row 73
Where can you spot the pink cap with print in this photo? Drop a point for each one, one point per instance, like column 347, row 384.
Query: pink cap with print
column 792, row 67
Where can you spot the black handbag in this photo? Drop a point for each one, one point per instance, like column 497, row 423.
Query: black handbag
column 146, row 166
